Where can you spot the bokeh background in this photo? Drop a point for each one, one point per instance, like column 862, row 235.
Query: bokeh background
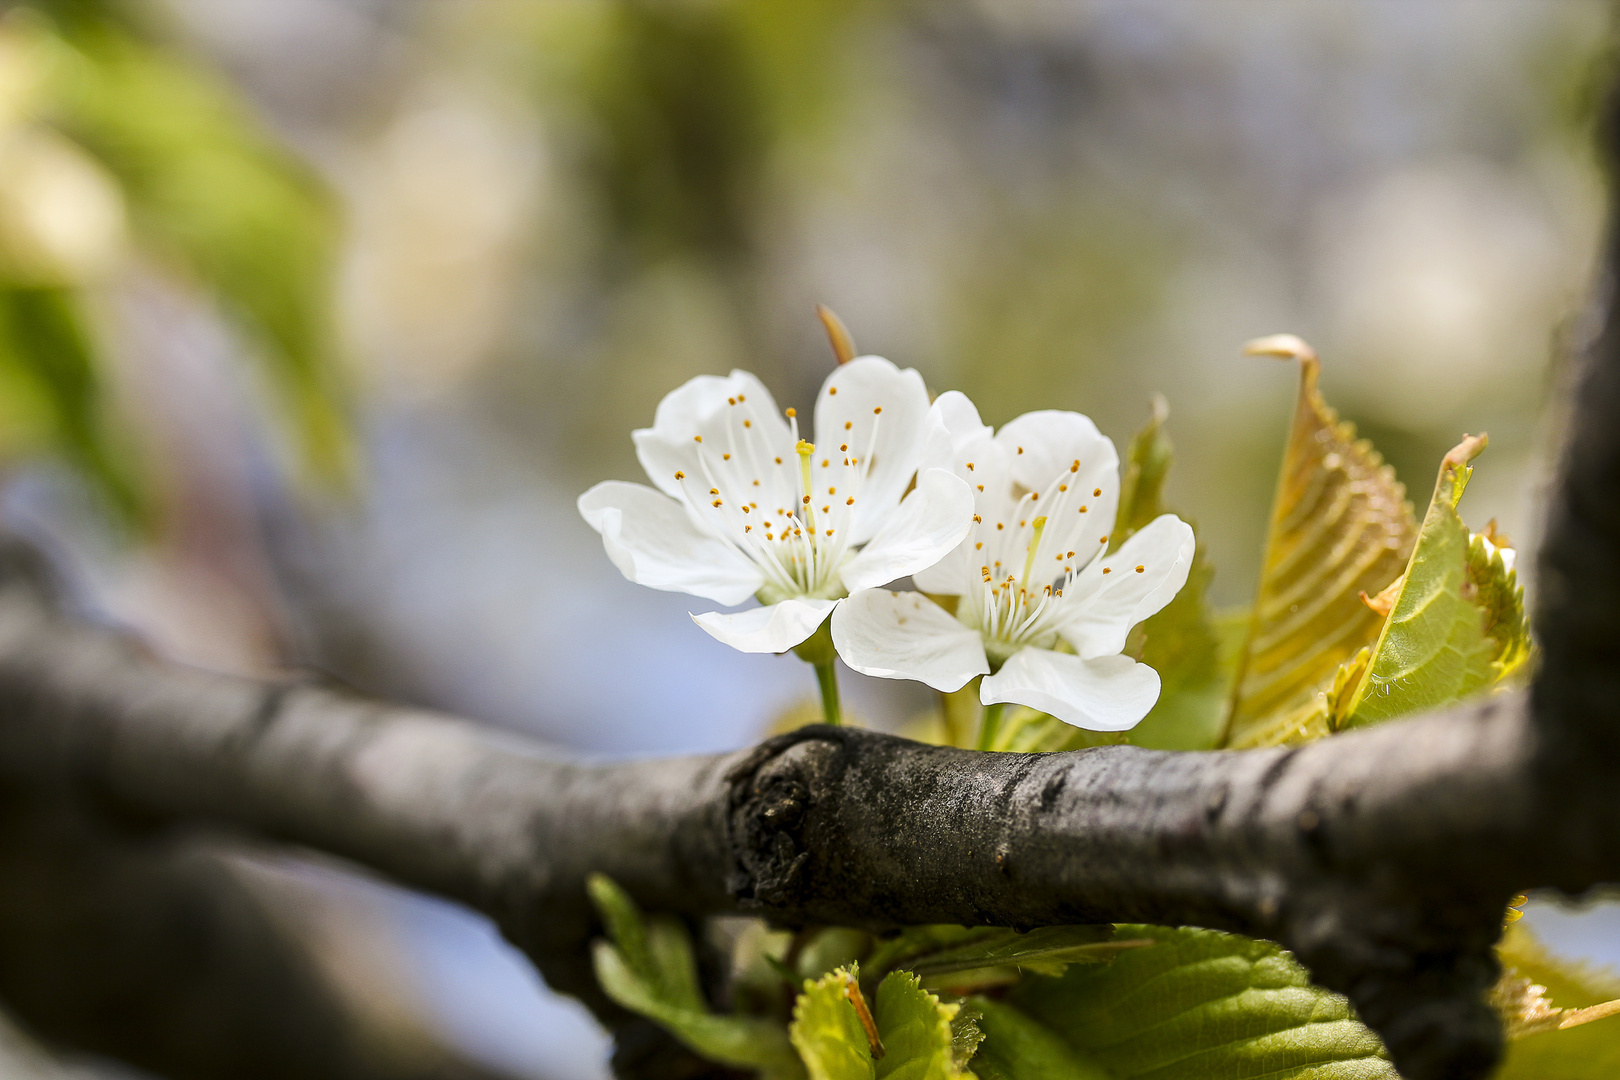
column 343, row 302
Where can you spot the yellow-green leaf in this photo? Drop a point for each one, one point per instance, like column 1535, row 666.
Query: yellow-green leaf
column 1340, row 526
column 1457, row 624
column 827, row 1030
column 1538, row 995
column 914, row 1035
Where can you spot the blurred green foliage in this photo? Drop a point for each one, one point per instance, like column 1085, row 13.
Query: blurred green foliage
column 120, row 152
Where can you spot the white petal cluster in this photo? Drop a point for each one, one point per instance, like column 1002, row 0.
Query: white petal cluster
column 1013, row 524
column 744, row 507
column 1042, row 610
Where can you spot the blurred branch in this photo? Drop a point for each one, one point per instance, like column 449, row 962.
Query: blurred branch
column 154, row 948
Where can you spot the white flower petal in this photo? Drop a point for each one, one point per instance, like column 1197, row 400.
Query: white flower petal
column 928, row 525
column 877, row 410
column 1108, row 693
column 953, row 575
column 952, row 418
column 906, row 636
column 1106, row 606
column 773, row 628
column 1043, row 444
column 654, row 542
column 694, row 408
column 1060, row 469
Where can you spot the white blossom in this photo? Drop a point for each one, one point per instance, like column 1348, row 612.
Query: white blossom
column 743, row 507
column 1032, row 573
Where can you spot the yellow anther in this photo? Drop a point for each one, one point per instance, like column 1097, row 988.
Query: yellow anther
column 725, row 457
column 791, row 413
column 850, row 501
column 679, row 475
column 1076, row 466
column 697, row 438
column 1096, row 493
column 1139, row 569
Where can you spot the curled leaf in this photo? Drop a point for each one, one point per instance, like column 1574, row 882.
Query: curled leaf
column 1340, row 526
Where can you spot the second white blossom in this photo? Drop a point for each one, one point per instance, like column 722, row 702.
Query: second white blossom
column 1032, row 573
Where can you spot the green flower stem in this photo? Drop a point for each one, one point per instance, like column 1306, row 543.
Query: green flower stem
column 827, row 679
column 817, row 651
column 990, row 726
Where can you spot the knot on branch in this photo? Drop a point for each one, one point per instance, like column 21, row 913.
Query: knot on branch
column 770, row 793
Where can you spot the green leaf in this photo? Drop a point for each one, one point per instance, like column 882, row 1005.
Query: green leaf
column 1141, row 483
column 208, row 189
column 1588, row 1049
column 1340, row 526
column 945, row 949
column 1016, row 1047
column 49, row 389
column 648, row 968
column 916, row 1040
column 1181, row 641
column 1199, row 1005
column 1457, row 624
column 1047, row 950
column 915, row 1028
